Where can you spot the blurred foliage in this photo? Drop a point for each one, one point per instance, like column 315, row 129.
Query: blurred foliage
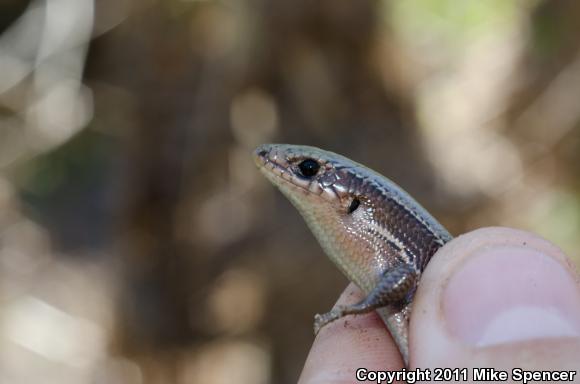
column 63, row 187
column 134, row 228
column 455, row 22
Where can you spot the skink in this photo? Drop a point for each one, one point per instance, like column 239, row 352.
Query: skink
column 375, row 233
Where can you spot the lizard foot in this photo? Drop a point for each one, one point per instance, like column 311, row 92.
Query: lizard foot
column 326, row 318
column 336, row 313
column 392, row 288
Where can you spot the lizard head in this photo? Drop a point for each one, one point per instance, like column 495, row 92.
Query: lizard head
column 311, row 178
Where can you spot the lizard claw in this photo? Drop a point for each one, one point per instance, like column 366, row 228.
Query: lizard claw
column 317, row 325
column 321, row 321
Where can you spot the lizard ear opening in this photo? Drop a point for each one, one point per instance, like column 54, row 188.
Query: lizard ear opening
column 354, row 204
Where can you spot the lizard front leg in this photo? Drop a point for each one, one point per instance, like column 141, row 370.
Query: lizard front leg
column 392, row 288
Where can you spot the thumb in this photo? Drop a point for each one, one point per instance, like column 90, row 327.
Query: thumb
column 497, row 297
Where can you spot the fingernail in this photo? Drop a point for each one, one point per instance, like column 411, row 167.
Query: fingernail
column 508, row 294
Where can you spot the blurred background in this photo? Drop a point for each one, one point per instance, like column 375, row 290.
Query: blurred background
column 138, row 244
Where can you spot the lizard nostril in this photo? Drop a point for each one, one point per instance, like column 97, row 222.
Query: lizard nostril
column 261, row 155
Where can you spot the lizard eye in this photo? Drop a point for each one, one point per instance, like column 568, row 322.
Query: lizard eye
column 353, row 205
column 309, row 167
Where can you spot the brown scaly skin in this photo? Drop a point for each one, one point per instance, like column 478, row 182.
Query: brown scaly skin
column 376, row 234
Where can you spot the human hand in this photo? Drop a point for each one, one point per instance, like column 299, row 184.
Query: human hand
column 493, row 298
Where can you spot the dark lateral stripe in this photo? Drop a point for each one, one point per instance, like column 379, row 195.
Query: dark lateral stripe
column 394, row 246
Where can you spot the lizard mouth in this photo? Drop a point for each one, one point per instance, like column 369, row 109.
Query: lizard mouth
column 273, row 161
column 275, row 166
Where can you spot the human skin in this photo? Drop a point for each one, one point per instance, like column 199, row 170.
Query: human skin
column 494, row 297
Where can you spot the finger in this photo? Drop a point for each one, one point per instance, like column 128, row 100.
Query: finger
column 497, row 297
column 352, row 342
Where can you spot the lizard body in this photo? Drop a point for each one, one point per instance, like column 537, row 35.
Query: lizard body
column 376, row 234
